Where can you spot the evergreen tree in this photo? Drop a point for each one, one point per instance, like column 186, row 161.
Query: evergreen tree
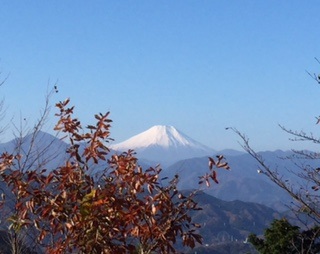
column 282, row 237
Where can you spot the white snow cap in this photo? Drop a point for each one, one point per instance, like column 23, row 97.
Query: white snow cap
column 164, row 144
column 160, row 135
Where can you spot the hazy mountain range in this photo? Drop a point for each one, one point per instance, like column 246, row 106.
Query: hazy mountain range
column 178, row 153
column 246, row 193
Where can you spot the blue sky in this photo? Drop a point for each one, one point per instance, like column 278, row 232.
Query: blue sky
column 197, row 65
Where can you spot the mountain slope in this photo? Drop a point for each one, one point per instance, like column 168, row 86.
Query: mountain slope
column 40, row 149
column 243, row 182
column 237, row 218
column 225, row 223
column 163, row 144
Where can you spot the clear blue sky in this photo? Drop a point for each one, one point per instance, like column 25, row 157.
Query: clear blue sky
column 197, row 65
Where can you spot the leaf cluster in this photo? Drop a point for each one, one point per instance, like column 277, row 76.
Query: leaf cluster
column 125, row 210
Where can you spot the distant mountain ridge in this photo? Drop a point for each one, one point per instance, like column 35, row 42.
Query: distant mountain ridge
column 163, row 144
column 222, row 221
column 40, row 148
column 179, row 154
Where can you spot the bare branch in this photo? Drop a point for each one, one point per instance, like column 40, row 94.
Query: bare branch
column 308, row 203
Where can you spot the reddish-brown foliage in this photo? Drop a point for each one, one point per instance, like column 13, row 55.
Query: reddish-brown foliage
column 126, row 210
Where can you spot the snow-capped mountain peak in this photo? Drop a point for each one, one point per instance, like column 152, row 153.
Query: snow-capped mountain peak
column 165, row 143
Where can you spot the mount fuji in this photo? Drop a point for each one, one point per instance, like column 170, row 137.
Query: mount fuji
column 163, row 144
